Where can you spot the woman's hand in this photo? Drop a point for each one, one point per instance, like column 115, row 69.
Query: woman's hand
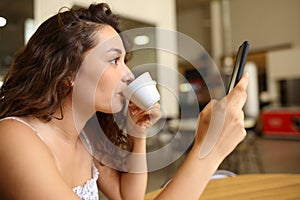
column 224, row 119
column 139, row 121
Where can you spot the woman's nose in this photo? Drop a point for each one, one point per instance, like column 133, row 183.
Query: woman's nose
column 128, row 77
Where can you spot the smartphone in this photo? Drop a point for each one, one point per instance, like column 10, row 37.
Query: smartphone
column 239, row 65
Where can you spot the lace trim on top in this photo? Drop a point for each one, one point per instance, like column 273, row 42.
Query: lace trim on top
column 88, row 191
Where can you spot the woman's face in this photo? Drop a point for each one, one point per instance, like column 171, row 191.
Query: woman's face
column 105, row 73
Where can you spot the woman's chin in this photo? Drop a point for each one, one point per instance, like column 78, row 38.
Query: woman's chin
column 116, row 108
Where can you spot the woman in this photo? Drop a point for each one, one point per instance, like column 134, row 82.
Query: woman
column 74, row 66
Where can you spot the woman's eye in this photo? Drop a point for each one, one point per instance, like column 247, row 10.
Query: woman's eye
column 114, row 61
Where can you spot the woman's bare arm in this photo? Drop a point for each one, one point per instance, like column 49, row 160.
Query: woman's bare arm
column 124, row 185
column 132, row 183
column 193, row 176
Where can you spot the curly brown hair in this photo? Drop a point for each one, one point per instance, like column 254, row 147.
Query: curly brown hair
column 39, row 79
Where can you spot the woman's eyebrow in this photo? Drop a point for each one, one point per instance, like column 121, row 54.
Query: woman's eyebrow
column 119, row 51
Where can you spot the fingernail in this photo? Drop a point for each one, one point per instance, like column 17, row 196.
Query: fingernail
column 133, row 112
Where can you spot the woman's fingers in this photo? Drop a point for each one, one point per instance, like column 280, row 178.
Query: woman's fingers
column 140, row 120
column 237, row 97
column 222, row 121
column 151, row 115
column 153, row 112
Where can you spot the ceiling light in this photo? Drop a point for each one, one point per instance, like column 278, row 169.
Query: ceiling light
column 2, row 21
column 141, row 40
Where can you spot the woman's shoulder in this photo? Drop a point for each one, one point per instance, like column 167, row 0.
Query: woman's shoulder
column 27, row 161
column 16, row 128
column 15, row 134
column 18, row 137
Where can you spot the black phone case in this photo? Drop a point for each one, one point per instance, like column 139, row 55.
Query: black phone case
column 239, row 65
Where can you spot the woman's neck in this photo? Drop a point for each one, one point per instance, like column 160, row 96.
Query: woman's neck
column 71, row 125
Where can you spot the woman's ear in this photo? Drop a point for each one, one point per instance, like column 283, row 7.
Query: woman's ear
column 69, row 82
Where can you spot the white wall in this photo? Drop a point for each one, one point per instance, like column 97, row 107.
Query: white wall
column 265, row 23
column 195, row 23
column 148, row 11
column 160, row 13
column 282, row 65
column 270, row 23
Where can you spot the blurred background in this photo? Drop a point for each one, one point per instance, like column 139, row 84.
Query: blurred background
column 273, row 107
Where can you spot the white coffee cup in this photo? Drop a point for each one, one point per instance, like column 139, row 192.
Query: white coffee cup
column 142, row 91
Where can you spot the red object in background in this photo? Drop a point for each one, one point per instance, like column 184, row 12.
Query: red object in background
column 281, row 122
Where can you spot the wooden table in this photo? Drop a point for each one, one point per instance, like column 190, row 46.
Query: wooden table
column 254, row 186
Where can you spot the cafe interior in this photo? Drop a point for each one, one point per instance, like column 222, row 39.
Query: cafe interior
column 189, row 47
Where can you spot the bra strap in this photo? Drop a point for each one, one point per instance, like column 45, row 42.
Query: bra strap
column 23, row 122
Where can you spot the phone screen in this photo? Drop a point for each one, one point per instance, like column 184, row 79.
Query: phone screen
column 239, row 65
